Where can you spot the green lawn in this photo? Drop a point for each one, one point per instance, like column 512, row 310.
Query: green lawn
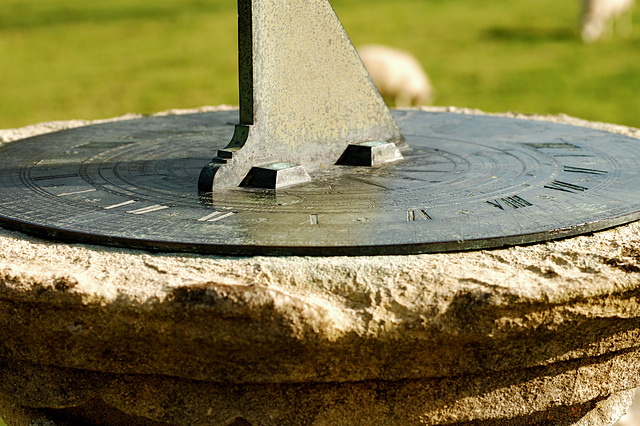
column 63, row 59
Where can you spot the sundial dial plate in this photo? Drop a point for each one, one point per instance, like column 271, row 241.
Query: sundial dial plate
column 467, row 182
column 307, row 103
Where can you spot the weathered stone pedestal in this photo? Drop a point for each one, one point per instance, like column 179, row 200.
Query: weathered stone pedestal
column 536, row 335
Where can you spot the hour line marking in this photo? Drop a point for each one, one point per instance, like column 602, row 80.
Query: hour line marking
column 215, row 219
column 514, row 202
column 314, row 219
column 77, row 192
column 215, row 216
column 126, row 203
column 59, row 161
column 209, row 216
column 66, row 175
column 149, row 209
column 422, row 215
column 566, row 187
column 552, row 145
column 571, row 169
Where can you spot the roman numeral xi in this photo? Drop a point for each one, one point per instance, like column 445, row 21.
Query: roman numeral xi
column 513, row 202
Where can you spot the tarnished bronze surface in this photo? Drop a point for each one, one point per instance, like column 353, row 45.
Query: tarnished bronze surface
column 468, row 182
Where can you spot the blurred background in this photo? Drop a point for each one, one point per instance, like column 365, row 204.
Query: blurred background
column 67, row 59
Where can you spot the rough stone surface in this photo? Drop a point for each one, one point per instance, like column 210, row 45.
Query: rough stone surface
column 632, row 416
column 609, row 410
column 541, row 334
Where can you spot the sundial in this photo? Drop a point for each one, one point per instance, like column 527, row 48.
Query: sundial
column 314, row 163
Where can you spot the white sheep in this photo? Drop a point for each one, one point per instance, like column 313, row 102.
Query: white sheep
column 397, row 75
column 598, row 18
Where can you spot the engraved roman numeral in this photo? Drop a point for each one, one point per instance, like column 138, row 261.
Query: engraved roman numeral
column 422, row 215
column 514, row 202
column 571, row 169
column 558, row 185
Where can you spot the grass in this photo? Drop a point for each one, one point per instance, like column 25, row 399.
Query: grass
column 64, row 59
column 510, row 55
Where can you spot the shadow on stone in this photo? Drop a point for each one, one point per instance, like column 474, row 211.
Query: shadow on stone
column 558, row 416
column 97, row 412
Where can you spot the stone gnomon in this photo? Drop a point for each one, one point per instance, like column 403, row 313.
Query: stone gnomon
column 305, row 97
column 543, row 333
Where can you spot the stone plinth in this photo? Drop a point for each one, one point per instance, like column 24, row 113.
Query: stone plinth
column 542, row 334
